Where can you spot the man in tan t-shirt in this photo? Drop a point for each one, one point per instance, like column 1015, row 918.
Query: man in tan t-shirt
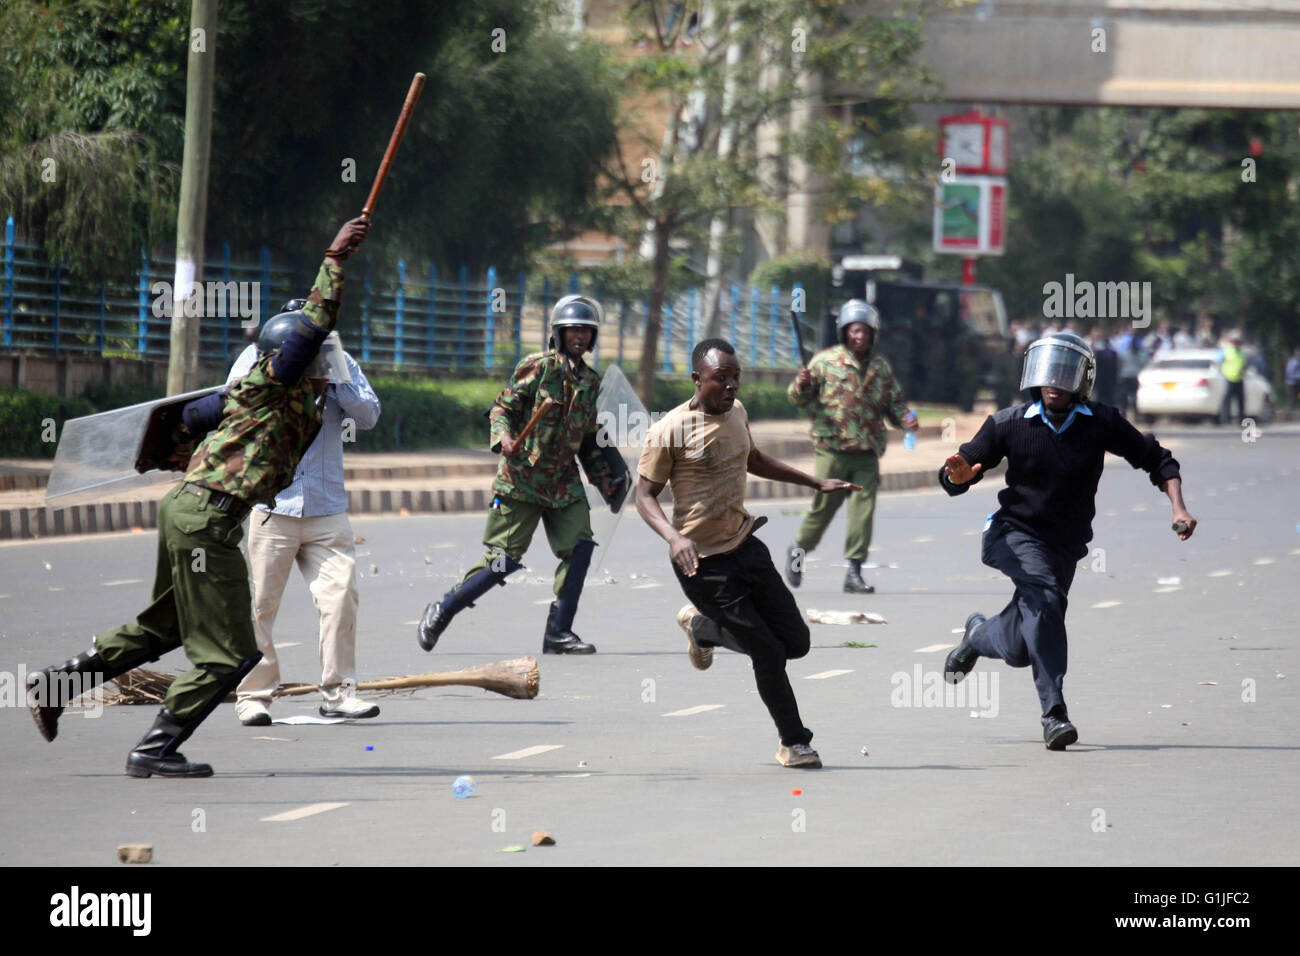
column 704, row 449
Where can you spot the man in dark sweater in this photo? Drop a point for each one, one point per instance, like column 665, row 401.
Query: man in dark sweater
column 1055, row 448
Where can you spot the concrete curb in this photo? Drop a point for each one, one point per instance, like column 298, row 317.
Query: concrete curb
column 45, row 522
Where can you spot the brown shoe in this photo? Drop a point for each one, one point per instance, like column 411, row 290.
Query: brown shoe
column 693, row 622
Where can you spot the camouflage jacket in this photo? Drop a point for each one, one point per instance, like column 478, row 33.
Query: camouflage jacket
column 849, row 404
column 544, row 469
column 267, row 426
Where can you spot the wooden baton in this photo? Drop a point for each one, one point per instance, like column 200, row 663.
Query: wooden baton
column 413, row 94
column 542, row 409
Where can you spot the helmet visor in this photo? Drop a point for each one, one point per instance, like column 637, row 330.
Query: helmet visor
column 330, row 363
column 1054, row 365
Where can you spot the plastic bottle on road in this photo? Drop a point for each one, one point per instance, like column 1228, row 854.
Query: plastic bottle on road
column 463, row 787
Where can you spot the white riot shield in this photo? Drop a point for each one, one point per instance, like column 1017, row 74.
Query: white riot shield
column 624, row 422
column 115, row 451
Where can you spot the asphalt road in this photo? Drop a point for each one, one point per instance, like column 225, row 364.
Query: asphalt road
column 1184, row 693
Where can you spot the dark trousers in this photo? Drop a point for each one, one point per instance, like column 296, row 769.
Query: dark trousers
column 1235, row 395
column 742, row 592
column 1030, row 630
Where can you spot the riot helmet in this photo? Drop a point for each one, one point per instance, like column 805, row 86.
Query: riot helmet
column 577, row 310
column 858, row 310
column 1062, row 360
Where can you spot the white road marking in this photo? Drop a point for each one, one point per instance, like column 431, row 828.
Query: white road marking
column 1166, row 590
column 935, row 648
column 1138, row 508
column 56, row 589
column 1292, row 551
column 409, row 623
column 1260, row 562
column 528, row 752
column 969, row 531
column 299, row 643
column 1105, row 604
column 642, row 587
column 113, row 584
column 308, row 811
column 1222, row 573
column 689, row 711
column 825, row 674
column 924, row 539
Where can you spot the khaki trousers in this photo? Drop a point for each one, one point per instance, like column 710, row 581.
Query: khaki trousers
column 324, row 550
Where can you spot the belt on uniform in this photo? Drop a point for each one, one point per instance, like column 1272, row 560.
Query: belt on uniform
column 226, row 504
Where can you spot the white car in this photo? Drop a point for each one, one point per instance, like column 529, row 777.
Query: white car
column 1188, row 383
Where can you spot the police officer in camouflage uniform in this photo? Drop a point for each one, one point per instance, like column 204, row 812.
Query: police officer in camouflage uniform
column 850, row 393
column 250, row 437
column 537, row 478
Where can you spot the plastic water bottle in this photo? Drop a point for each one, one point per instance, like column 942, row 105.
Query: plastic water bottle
column 909, row 441
column 463, row 787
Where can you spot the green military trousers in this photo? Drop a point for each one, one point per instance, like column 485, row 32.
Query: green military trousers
column 200, row 602
column 859, row 468
column 511, row 524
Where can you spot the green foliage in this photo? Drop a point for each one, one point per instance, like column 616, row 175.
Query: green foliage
column 1200, row 203
column 433, row 413
column 22, row 420
column 810, row 270
column 89, row 149
column 499, row 160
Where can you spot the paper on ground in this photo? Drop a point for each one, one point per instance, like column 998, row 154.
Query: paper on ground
column 844, row 617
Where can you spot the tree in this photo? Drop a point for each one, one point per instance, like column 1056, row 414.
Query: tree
column 718, row 72
column 500, row 159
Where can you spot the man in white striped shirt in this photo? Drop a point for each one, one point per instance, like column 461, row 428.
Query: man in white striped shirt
column 309, row 525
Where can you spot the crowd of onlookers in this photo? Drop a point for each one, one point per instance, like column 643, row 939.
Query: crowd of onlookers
column 1122, row 355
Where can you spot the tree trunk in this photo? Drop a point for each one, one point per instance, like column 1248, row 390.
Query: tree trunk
column 645, row 373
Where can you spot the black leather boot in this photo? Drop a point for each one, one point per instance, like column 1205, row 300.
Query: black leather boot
column 50, row 690
column 562, row 640
column 156, row 752
column 853, row 583
column 438, row 615
column 963, row 657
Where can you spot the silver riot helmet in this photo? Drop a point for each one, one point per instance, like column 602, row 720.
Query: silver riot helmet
column 577, row 310
column 1063, row 361
column 858, row 310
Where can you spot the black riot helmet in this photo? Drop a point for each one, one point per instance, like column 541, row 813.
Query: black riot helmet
column 328, row 362
column 293, row 305
column 276, row 331
column 1062, row 360
column 577, row 310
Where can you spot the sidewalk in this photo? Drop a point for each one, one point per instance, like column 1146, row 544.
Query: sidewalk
column 435, row 482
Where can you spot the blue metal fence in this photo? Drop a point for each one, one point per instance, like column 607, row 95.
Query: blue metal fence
column 395, row 317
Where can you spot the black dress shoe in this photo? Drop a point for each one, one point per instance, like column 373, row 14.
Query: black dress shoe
column 794, row 565
column 1058, row 732
column 962, row 658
